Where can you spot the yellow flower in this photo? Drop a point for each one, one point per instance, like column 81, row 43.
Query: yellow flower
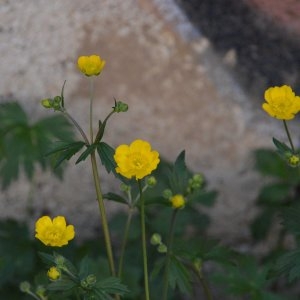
column 281, row 102
column 54, row 233
column 91, row 65
column 136, row 160
column 53, row 273
column 177, row 201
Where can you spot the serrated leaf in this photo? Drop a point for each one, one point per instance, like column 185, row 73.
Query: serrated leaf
column 106, row 154
column 112, row 285
column 178, row 177
column 179, row 276
column 289, row 265
column 63, row 284
column 68, row 152
column 86, row 153
column 291, row 219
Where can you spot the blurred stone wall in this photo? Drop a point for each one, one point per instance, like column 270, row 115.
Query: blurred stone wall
column 181, row 95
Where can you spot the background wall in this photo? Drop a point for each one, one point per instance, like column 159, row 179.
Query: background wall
column 181, row 94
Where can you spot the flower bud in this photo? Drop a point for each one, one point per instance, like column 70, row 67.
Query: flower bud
column 177, row 201
column 59, row 261
column 125, row 188
column 53, row 273
column 167, row 194
column 162, row 248
column 120, row 107
column 47, row 103
column 40, row 291
column 151, row 181
column 155, row 239
column 89, row 281
column 198, row 264
column 25, row 287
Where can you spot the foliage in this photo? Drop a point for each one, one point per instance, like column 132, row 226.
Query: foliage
column 164, row 200
column 23, row 144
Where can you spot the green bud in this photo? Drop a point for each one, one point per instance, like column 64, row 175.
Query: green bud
column 25, row 287
column 162, row 248
column 120, row 107
column 167, row 194
column 40, row 291
column 57, row 103
column 47, row 103
column 59, row 261
column 198, row 178
column 125, row 188
column 151, row 181
column 155, row 239
column 198, row 264
column 89, row 281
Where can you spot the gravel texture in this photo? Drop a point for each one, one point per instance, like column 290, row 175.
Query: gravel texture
column 181, row 95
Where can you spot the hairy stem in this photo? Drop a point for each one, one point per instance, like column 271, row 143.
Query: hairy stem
column 124, row 242
column 288, row 135
column 144, row 246
column 77, row 126
column 103, row 214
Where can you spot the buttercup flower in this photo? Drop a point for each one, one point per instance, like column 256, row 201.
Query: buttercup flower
column 91, row 65
column 54, row 233
column 177, row 201
column 53, row 273
column 281, row 102
column 136, row 160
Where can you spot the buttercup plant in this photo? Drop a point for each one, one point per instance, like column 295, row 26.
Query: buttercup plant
column 176, row 267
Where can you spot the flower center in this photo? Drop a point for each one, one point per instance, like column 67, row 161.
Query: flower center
column 138, row 160
column 54, row 234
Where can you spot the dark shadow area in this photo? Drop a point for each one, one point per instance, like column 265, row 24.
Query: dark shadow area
column 266, row 53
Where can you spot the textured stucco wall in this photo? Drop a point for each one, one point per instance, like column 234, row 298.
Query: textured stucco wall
column 180, row 93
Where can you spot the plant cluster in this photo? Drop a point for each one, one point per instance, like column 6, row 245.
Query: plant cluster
column 158, row 247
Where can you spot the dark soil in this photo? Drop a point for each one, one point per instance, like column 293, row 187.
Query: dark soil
column 267, row 53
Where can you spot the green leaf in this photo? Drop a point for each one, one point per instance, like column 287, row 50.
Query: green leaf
column 274, row 194
column 291, row 219
column 179, row 276
column 112, row 285
column 86, row 153
column 281, row 147
column 23, row 145
column 288, row 265
column 66, row 151
column 203, row 197
column 106, row 154
column 262, row 223
column 115, row 197
column 178, row 178
column 63, row 284
column 269, row 163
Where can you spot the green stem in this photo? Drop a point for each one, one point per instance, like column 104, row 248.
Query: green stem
column 124, row 242
column 77, row 126
column 103, row 214
column 168, row 256
column 91, row 108
column 288, row 135
column 204, row 284
column 144, row 246
column 33, row 295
